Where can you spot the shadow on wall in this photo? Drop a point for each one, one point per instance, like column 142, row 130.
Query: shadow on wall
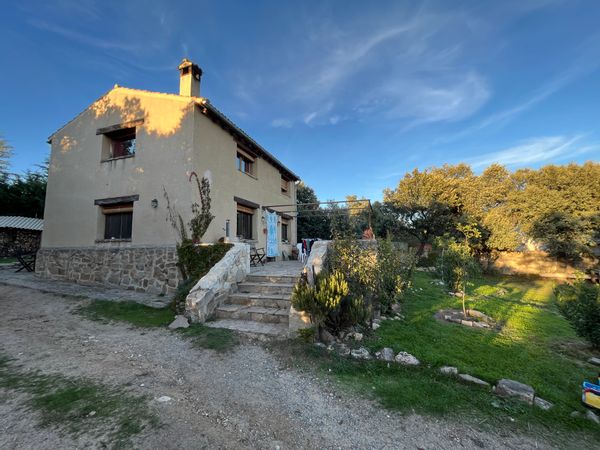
column 160, row 122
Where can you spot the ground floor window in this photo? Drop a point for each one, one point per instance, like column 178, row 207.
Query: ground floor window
column 118, row 220
column 284, row 231
column 245, row 218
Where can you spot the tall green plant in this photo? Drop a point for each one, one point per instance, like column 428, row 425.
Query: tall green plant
column 580, row 304
column 324, row 301
column 201, row 214
column 457, row 267
column 394, row 273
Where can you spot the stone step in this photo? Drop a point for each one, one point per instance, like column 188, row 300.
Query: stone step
column 265, row 300
column 266, row 288
column 285, row 279
column 251, row 327
column 253, row 313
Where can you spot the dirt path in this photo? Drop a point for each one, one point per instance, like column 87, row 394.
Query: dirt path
column 244, row 399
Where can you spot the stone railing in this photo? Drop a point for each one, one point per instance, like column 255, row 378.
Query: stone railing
column 316, row 260
column 214, row 287
column 314, row 265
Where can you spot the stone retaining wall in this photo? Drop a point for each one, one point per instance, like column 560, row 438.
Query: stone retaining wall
column 214, row 287
column 143, row 269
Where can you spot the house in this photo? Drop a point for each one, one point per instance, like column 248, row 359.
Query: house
column 106, row 213
column 19, row 235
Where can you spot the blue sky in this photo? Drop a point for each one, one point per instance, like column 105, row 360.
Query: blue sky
column 349, row 94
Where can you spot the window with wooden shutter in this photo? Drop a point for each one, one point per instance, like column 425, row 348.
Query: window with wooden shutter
column 118, row 220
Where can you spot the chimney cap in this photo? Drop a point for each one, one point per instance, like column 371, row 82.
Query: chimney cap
column 185, row 63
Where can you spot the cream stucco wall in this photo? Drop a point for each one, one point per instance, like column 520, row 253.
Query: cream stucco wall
column 216, row 153
column 174, row 139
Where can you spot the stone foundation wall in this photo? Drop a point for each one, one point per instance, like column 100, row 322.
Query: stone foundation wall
column 143, row 269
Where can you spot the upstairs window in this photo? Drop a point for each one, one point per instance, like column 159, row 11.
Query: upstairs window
column 122, row 142
column 285, row 186
column 245, row 162
column 118, row 219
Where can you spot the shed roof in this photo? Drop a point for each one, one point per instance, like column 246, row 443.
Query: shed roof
column 22, row 223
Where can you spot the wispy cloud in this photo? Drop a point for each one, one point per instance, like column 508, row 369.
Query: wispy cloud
column 406, row 66
column 281, row 123
column 585, row 63
column 536, row 150
column 104, row 44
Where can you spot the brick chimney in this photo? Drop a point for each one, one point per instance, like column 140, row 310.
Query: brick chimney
column 189, row 78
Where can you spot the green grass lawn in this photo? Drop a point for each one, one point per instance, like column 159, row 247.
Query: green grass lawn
column 535, row 345
column 142, row 316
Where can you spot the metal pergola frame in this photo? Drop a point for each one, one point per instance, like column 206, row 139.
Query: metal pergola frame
column 298, row 211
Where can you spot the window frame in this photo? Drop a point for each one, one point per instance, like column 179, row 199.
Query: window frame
column 122, row 143
column 285, row 186
column 285, row 237
column 247, row 215
column 112, row 134
column 124, row 211
column 245, row 162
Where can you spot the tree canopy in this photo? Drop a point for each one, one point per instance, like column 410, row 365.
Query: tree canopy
column 21, row 195
column 558, row 206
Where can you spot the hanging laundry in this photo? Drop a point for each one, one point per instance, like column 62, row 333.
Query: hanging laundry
column 272, row 243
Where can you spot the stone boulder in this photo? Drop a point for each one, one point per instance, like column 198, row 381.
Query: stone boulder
column 512, row 388
column 543, row 404
column 326, row 337
column 595, row 361
column 179, row 322
column 361, row 353
column 449, row 370
column 406, row 359
column 589, row 415
column 385, row 354
column 471, row 379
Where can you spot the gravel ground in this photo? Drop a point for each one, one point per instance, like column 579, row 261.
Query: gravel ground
column 244, row 399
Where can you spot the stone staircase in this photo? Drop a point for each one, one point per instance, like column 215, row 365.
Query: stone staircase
column 261, row 305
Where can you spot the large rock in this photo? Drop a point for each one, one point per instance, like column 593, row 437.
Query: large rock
column 361, row 353
column 512, row 388
column 449, row 370
column 342, row 349
column 406, row 359
column 589, row 415
column 385, row 354
column 326, row 336
column 594, row 361
column 471, row 379
column 179, row 322
column 543, row 404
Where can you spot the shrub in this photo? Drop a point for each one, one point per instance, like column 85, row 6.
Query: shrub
column 194, row 261
column 394, row 272
column 323, row 302
column 580, row 304
column 177, row 304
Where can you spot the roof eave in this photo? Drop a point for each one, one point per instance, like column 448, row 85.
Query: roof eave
column 241, row 134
